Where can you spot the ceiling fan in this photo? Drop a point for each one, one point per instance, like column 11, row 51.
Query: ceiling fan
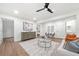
column 45, row 7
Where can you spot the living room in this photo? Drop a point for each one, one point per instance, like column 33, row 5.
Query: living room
column 30, row 29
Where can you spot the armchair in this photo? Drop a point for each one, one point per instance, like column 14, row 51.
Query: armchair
column 64, row 52
column 67, row 47
column 70, row 37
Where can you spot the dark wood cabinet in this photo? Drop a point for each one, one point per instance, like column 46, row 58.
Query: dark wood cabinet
column 28, row 35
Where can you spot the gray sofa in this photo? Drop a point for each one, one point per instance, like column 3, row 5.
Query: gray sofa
column 72, row 46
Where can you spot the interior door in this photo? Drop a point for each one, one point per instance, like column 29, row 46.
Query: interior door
column 8, row 28
column 1, row 35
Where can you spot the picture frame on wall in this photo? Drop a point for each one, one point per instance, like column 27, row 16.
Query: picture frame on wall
column 25, row 26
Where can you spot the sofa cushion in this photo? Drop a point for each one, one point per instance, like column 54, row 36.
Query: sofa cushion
column 72, row 46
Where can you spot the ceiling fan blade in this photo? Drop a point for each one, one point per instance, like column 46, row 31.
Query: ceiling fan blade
column 46, row 5
column 49, row 10
column 40, row 9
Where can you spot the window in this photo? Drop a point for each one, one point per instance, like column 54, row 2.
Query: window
column 50, row 29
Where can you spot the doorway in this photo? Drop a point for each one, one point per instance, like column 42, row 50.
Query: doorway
column 8, row 28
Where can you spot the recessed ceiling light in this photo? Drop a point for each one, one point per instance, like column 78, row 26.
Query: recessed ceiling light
column 34, row 18
column 16, row 12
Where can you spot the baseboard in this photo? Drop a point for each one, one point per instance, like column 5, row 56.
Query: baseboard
column 8, row 37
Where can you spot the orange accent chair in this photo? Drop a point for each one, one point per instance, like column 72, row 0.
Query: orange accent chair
column 70, row 37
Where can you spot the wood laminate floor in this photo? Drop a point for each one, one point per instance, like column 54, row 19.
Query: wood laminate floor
column 11, row 48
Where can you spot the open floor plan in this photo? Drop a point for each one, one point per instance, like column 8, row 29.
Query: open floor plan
column 39, row 29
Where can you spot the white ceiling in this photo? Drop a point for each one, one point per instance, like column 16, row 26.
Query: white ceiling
column 28, row 10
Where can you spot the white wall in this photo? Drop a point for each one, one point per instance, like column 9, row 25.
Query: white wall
column 59, row 26
column 42, row 29
column 77, row 24
column 59, row 29
column 17, row 29
column 18, row 26
column 1, row 35
column 72, row 25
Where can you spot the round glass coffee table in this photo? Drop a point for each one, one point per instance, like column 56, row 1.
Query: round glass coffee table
column 45, row 44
